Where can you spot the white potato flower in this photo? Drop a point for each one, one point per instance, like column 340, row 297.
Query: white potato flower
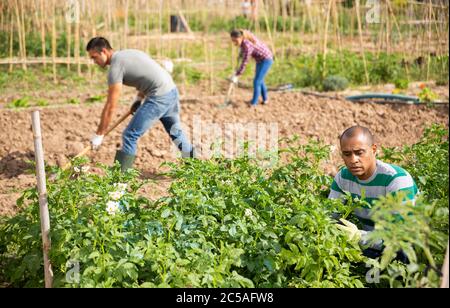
column 121, row 186
column 116, row 195
column 112, row 207
column 248, row 212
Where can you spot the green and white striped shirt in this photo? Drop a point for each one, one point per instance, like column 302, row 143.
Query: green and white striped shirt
column 386, row 179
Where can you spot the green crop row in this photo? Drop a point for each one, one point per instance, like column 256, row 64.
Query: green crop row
column 228, row 223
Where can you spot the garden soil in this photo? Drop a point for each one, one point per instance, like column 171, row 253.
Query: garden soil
column 66, row 130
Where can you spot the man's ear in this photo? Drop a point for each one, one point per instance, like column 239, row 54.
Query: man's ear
column 374, row 148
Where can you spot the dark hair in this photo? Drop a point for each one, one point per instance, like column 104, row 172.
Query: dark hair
column 236, row 33
column 98, row 43
column 355, row 130
column 245, row 34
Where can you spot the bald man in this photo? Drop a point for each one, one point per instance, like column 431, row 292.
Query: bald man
column 364, row 172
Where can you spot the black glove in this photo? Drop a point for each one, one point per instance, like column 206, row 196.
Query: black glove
column 135, row 106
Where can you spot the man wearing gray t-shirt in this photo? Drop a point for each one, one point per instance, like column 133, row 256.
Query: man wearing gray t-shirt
column 155, row 87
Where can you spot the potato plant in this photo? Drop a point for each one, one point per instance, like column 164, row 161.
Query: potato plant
column 223, row 223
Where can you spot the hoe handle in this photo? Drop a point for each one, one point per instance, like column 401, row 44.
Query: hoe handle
column 88, row 148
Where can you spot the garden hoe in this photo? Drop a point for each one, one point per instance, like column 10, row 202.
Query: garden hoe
column 88, row 148
column 227, row 98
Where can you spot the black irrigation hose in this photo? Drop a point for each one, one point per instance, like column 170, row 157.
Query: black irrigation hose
column 363, row 98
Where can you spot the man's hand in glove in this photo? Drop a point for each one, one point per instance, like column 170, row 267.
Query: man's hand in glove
column 352, row 231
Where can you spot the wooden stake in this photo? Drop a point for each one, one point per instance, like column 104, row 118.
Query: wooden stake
column 43, row 204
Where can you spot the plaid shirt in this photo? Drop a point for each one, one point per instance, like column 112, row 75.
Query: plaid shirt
column 259, row 51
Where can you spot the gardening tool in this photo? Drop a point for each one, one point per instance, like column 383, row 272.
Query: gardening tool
column 227, row 98
column 86, row 149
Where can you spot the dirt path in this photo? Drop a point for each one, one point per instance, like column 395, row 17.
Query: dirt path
column 66, row 130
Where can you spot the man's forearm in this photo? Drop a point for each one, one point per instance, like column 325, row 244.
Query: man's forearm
column 105, row 120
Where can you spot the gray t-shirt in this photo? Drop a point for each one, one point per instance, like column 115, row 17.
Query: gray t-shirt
column 135, row 68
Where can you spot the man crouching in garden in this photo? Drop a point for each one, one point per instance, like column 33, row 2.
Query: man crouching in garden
column 155, row 88
column 366, row 176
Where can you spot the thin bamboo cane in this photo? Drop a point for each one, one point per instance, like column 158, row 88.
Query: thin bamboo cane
column 2, row 18
column 11, row 35
column 291, row 28
column 54, row 40
column 77, row 43
column 268, row 29
column 125, row 28
column 69, row 38
column 211, row 60
column 147, row 26
column 22, row 20
column 205, row 53
column 43, row 45
column 336, row 27
column 430, row 9
column 325, row 38
column 274, row 16
column 361, row 40
column 19, row 32
column 183, row 72
column 394, row 19
column 160, row 21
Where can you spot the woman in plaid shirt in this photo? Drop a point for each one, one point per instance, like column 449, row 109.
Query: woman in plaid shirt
column 252, row 47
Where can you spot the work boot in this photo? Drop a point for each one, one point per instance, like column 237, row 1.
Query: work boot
column 191, row 154
column 126, row 160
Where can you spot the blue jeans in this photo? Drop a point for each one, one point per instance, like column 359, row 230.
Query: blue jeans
column 259, row 87
column 165, row 108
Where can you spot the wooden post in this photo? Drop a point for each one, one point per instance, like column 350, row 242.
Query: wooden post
column 444, row 281
column 42, row 190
